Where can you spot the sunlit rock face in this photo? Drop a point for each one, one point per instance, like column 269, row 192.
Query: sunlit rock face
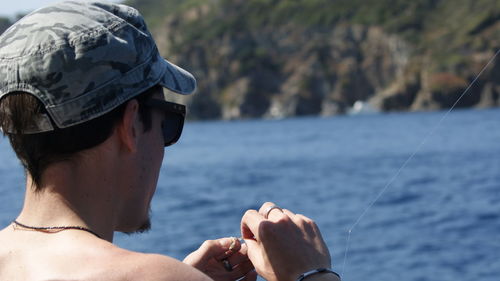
column 276, row 59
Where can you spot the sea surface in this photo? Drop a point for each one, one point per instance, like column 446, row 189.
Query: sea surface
column 406, row 196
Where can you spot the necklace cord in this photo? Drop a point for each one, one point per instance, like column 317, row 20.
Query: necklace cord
column 55, row 228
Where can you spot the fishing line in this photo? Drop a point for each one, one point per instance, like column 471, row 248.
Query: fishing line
column 396, row 175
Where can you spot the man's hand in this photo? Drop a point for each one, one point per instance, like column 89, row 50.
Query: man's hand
column 223, row 259
column 282, row 245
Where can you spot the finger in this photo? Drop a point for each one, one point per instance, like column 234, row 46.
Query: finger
column 250, row 223
column 238, row 257
column 243, row 248
column 271, row 211
column 233, row 244
column 304, row 220
column 307, row 225
column 229, row 246
column 216, row 248
column 251, row 243
column 275, row 214
column 264, row 207
column 267, row 208
column 254, row 250
column 289, row 213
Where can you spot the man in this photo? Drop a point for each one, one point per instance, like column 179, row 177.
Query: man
column 82, row 104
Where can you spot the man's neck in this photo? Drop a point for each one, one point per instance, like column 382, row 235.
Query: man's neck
column 75, row 195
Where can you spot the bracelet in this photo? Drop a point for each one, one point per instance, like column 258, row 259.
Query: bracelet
column 315, row 271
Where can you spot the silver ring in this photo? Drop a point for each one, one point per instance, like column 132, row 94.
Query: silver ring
column 227, row 265
column 270, row 208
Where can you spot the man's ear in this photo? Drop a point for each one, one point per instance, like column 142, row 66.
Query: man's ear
column 128, row 128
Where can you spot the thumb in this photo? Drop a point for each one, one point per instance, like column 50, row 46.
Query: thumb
column 257, row 256
column 207, row 250
column 228, row 246
column 253, row 248
column 220, row 248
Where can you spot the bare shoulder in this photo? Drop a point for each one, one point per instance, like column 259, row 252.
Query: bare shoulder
column 77, row 256
column 116, row 263
column 140, row 266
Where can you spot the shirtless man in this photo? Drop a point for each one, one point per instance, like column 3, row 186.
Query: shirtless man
column 81, row 101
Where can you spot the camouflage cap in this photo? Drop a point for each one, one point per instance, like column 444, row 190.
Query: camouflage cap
column 83, row 59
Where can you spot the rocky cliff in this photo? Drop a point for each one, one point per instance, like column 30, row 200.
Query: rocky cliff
column 280, row 58
column 286, row 58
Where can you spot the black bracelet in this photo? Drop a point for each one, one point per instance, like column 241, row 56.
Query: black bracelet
column 319, row 270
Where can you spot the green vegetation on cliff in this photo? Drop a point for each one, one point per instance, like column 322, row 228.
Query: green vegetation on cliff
column 4, row 24
column 278, row 58
column 290, row 57
column 439, row 25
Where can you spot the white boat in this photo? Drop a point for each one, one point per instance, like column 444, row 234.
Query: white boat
column 361, row 107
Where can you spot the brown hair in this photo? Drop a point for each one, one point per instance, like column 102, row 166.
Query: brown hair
column 38, row 151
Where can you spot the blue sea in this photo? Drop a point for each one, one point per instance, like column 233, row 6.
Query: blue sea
column 403, row 196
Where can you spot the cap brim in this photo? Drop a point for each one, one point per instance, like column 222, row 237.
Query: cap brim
column 177, row 79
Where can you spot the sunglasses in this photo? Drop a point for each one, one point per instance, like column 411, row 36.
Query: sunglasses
column 173, row 123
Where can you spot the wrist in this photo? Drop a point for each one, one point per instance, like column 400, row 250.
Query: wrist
column 320, row 274
column 323, row 277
